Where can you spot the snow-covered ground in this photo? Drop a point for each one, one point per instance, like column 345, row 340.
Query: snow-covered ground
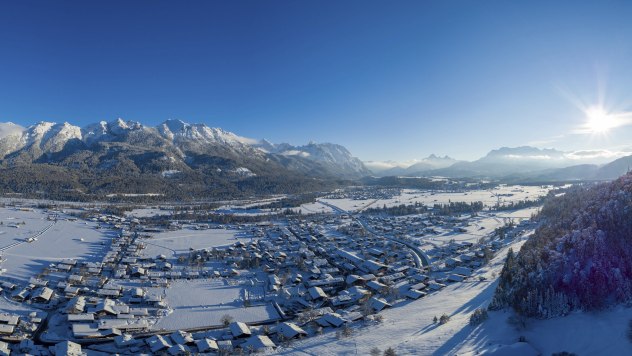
column 314, row 208
column 201, row 303
column 53, row 242
column 504, row 194
column 174, row 242
column 599, row 333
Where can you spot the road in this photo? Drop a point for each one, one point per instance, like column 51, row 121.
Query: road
column 421, row 259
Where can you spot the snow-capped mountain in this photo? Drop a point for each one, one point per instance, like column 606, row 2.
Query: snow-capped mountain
column 172, row 145
column 414, row 168
column 335, row 157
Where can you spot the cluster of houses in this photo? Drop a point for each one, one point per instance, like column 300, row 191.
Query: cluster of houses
column 364, row 193
column 319, row 271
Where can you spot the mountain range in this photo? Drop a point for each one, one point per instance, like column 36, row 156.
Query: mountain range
column 523, row 163
column 128, row 157
column 179, row 160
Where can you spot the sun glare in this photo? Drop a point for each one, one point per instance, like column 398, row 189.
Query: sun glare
column 599, row 120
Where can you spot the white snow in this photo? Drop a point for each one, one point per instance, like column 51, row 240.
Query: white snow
column 200, row 303
column 54, row 242
column 179, row 241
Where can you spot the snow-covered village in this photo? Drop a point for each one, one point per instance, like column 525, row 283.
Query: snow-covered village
column 75, row 277
column 315, row 178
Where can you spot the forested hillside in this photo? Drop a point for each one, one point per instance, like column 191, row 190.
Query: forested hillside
column 580, row 258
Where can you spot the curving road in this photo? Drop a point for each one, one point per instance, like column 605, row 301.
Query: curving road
column 421, row 259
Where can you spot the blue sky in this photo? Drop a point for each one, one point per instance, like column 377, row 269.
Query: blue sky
column 388, row 79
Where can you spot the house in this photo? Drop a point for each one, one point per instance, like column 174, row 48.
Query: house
column 331, row 319
column 378, row 304
column 21, row 295
column 317, row 293
column 374, row 267
column 157, row 343
column 354, row 279
column 181, row 337
column 257, row 343
column 290, row 330
column 376, row 286
column 106, row 307
column 67, row 348
column 206, row 345
column 9, row 319
column 225, row 346
column 76, row 305
column 42, row 295
column 6, row 329
column 414, row 294
column 239, row 330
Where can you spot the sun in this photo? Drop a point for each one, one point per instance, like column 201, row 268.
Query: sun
column 599, row 120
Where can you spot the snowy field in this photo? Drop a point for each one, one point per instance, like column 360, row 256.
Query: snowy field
column 169, row 243
column 314, row 208
column 54, row 242
column 599, row 333
column 200, row 303
column 504, row 194
column 352, row 205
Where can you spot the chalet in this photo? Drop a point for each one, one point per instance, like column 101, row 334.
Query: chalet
column 239, row 330
column 376, row 286
column 378, row 304
column 6, row 329
column 290, row 330
column 225, row 346
column 316, row 293
column 21, row 295
column 257, row 343
column 157, row 343
column 374, row 267
column 354, row 279
column 106, row 307
column 70, row 291
column 206, row 345
column 418, row 286
column 414, row 294
column 181, row 337
column 331, row 319
column 38, row 282
column 109, row 293
column 42, row 295
column 8, row 285
column 9, row 319
column 75, row 279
